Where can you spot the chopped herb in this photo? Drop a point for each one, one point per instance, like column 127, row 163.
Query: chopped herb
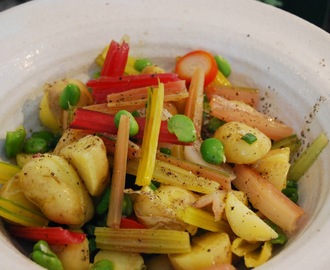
column 249, row 138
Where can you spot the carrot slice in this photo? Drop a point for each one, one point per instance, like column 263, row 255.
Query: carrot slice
column 187, row 64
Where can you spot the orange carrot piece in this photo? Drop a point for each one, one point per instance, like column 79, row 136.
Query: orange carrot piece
column 267, row 199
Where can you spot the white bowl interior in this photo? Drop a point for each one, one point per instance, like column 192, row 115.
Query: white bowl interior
column 287, row 58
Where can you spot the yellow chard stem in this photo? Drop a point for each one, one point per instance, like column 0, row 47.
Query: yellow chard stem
column 142, row 240
column 7, row 171
column 119, row 173
column 150, row 137
column 19, row 214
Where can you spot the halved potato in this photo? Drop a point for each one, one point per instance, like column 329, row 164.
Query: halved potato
column 89, row 157
column 207, row 250
column 245, row 223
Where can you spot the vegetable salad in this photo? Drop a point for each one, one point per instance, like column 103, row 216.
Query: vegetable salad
column 141, row 167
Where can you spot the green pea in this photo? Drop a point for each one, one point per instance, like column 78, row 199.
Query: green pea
column 103, row 265
column 292, row 184
column 49, row 137
column 183, row 128
column 136, row 113
column 165, row 150
column 212, row 151
column 127, row 208
column 134, row 126
column 281, row 239
column 140, row 64
column 70, row 96
column 223, row 65
column 291, row 193
column 14, row 141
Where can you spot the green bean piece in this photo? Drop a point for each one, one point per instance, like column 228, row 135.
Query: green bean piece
column 291, row 193
column 102, row 206
column 44, row 256
column 102, row 265
column 165, row 150
column 183, row 128
column 35, row 145
column 223, row 65
column 69, row 97
column 127, row 208
column 14, row 141
column 133, row 125
column 212, row 151
column 141, row 63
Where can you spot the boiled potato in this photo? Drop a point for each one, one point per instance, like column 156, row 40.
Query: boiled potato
column 274, row 166
column 73, row 256
column 258, row 257
column 50, row 112
column 121, row 260
column 207, row 250
column 52, row 184
column 238, row 150
column 89, row 157
column 158, row 209
column 68, row 136
column 245, row 223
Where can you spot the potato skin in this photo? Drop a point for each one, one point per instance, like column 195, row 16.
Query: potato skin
column 236, row 149
column 52, row 184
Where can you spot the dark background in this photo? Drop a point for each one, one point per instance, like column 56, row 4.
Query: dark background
column 314, row 11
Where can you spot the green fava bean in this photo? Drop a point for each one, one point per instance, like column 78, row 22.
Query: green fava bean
column 212, row 151
column 35, row 145
column 140, row 64
column 133, row 125
column 183, row 128
column 44, row 256
column 14, row 141
column 70, row 96
column 103, row 265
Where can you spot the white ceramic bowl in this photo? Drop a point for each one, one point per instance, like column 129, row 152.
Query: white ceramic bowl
column 286, row 57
